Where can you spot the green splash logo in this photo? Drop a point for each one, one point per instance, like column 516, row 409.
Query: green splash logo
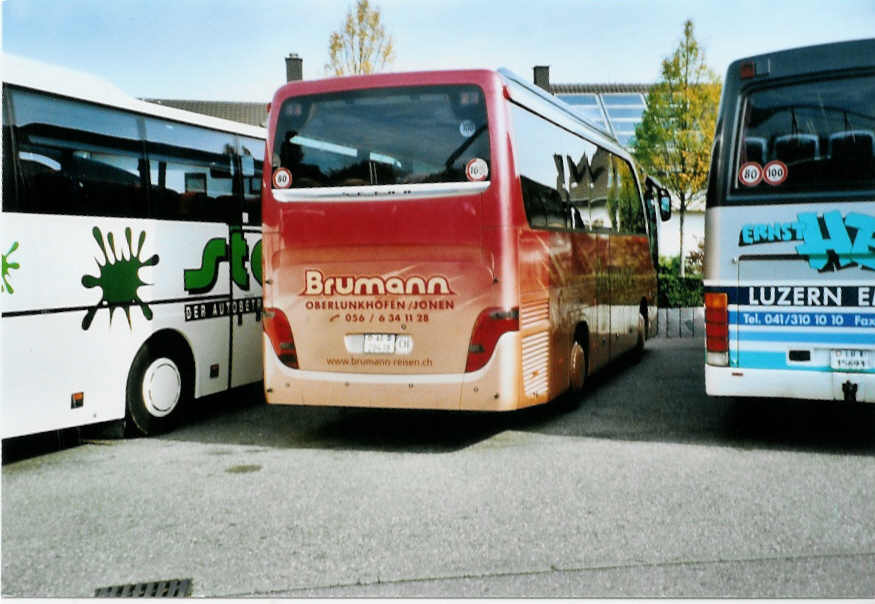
column 236, row 253
column 119, row 278
column 6, row 267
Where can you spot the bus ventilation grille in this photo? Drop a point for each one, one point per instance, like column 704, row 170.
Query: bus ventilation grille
column 532, row 314
column 173, row 588
column 536, row 363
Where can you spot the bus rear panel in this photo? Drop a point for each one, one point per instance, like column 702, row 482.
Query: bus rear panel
column 422, row 247
column 383, row 251
column 790, row 227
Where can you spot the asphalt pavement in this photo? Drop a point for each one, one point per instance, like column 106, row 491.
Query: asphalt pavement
column 640, row 487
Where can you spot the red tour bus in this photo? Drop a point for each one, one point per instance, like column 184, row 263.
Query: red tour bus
column 446, row 240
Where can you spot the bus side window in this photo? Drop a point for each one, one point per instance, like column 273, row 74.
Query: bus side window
column 191, row 172
column 601, row 177
column 578, row 191
column 576, row 222
column 252, row 165
column 10, row 201
column 628, row 211
column 580, row 181
column 535, row 201
column 77, row 158
column 541, row 164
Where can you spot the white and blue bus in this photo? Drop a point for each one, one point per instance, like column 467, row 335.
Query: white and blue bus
column 790, row 227
column 130, row 237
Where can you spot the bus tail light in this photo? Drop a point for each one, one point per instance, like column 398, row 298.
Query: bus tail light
column 276, row 326
column 716, row 328
column 489, row 326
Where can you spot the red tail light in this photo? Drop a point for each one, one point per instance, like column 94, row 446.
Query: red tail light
column 488, row 327
column 276, row 326
column 717, row 328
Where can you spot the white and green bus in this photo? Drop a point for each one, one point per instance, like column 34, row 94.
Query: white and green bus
column 130, row 236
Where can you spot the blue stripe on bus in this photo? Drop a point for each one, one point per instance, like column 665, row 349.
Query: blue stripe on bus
column 762, row 359
column 826, row 319
column 766, row 359
column 804, row 336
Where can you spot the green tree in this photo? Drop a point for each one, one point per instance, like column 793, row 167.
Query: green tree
column 673, row 140
column 362, row 44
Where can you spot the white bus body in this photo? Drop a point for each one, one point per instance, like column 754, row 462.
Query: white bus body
column 131, row 241
column 790, row 227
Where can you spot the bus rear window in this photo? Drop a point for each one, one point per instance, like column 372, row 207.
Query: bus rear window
column 382, row 136
column 811, row 136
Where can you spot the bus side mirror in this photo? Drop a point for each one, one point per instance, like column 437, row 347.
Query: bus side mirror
column 664, row 205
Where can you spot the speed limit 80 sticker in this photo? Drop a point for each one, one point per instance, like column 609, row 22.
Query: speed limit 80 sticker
column 282, row 178
column 751, row 174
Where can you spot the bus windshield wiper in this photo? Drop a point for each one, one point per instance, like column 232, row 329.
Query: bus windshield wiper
column 455, row 154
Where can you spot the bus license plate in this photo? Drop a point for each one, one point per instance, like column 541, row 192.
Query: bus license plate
column 853, row 360
column 382, row 343
column 379, row 343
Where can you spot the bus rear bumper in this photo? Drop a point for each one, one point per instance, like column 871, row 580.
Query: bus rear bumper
column 495, row 387
column 818, row 385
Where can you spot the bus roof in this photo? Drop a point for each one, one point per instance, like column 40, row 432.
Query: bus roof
column 835, row 56
column 61, row 81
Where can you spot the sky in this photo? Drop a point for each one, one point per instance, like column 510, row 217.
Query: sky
column 234, row 50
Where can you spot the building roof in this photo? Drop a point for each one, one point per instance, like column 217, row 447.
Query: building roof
column 256, row 113
column 600, row 88
column 247, row 113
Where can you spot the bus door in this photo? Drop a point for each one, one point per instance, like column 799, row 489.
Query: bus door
column 245, row 251
column 192, row 177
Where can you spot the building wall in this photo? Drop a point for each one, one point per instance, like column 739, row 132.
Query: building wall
column 669, row 232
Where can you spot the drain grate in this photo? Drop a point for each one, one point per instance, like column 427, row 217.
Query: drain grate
column 173, row 588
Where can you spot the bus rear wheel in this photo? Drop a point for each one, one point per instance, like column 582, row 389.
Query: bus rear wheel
column 643, row 326
column 578, row 366
column 157, row 389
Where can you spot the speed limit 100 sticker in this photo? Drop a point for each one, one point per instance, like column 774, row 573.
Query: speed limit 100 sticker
column 775, row 172
column 751, row 174
column 282, row 178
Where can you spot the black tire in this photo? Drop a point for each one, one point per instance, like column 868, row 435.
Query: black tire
column 579, row 363
column 158, row 387
column 642, row 336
